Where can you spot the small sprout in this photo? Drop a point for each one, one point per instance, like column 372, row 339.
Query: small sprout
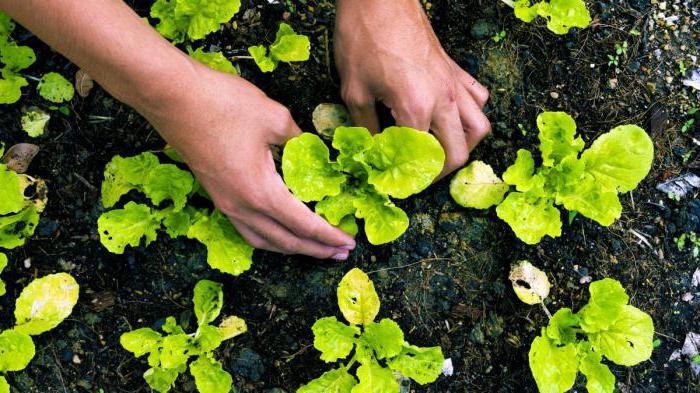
column 288, row 47
column 500, row 36
column 529, row 283
column 328, row 117
column 688, row 125
column 34, row 122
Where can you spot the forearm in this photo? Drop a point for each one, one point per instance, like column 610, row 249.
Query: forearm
column 111, row 43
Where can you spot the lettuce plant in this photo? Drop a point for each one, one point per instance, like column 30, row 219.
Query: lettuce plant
column 192, row 19
column 605, row 328
column 215, row 60
column 398, row 162
column 13, row 59
column 34, row 122
column 118, row 228
column 19, row 214
column 288, row 47
column 587, row 183
column 41, row 306
column 561, row 15
column 55, row 88
column 379, row 347
column 170, row 353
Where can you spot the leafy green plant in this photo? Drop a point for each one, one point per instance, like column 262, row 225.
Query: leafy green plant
column 500, row 36
column 170, row 353
column 181, row 20
column 398, row 162
column 588, row 183
column 605, row 328
column 620, row 50
column 19, row 213
column 215, row 60
column 14, row 58
column 379, row 347
column 55, row 88
column 561, row 15
column 34, row 122
column 288, row 47
column 694, row 240
column 118, row 228
column 42, row 305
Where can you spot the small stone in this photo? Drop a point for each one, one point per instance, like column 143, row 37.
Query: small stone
column 76, row 359
column 585, row 280
column 28, row 263
column 687, row 297
column 554, row 95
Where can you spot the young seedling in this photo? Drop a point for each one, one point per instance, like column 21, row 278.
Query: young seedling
column 19, row 213
column 42, row 305
column 500, row 36
column 398, row 162
column 379, row 347
column 288, row 47
column 561, row 15
column 587, row 183
column 169, row 354
column 34, row 122
column 215, row 60
column 181, row 20
column 118, row 228
column 605, row 328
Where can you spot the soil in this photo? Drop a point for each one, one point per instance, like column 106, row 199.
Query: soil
column 446, row 280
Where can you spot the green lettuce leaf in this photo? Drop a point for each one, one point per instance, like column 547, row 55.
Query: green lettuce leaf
column 45, row 303
column 177, row 223
column 557, row 137
column 55, row 88
column 629, row 340
column 121, row 227
column 357, row 298
column 384, row 222
column 11, row 88
column 11, row 196
column 307, row 169
column 160, row 379
column 520, row 173
column 385, row 338
column 169, row 26
column 592, row 201
column 231, row 327
column 16, row 228
column 335, row 208
column 6, row 27
column 16, row 350
column 607, row 300
column 167, row 181
column 530, row 218
column 209, row 376
column 333, row 339
column 176, row 350
column 561, row 329
column 171, row 327
column 207, row 339
column 227, row 251
column 141, row 341
column 620, row 159
column 403, row 161
column 125, row 174
column 208, row 300
column 34, row 122
column 3, row 265
column 334, row 381
column 599, row 378
column 553, row 367
column 290, row 46
column 4, row 386
column 422, row 365
column 349, row 225
column 375, row 379
column 476, row 186
column 261, row 58
column 525, row 10
column 192, row 19
column 215, row 60
column 16, row 58
column 350, row 141
column 562, row 15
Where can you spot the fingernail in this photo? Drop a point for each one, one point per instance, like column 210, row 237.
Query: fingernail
column 340, row 256
column 346, row 248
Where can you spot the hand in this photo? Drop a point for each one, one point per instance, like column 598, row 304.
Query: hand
column 223, row 127
column 387, row 51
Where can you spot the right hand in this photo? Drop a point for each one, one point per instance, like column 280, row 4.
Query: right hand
column 223, row 127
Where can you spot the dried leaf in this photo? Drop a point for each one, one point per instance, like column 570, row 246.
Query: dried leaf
column 83, row 83
column 529, row 283
column 681, row 185
column 328, row 117
column 19, row 156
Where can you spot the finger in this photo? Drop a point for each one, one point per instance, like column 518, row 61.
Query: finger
column 365, row 115
column 280, row 237
column 282, row 127
column 254, row 239
column 447, row 127
column 479, row 92
column 412, row 112
column 476, row 125
column 300, row 220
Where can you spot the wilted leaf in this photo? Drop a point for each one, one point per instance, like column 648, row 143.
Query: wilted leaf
column 83, row 83
column 529, row 283
column 19, row 156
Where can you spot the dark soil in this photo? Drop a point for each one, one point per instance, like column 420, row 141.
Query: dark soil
column 446, row 280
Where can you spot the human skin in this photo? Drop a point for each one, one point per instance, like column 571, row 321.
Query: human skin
column 222, row 125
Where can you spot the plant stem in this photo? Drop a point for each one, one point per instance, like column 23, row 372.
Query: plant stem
column 546, row 310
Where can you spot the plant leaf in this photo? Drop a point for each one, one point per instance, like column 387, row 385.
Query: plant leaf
column 562, row 15
column 16, row 228
column 375, row 379
column 307, row 169
column 422, row 365
column 530, row 218
column 121, row 227
column 476, row 186
column 554, row 368
column 608, row 297
column 290, row 46
column 3, row 265
column 599, row 378
column 208, row 300
column 561, row 327
column 125, row 174
column 384, row 222
column 520, row 173
column 334, row 339
column 334, row 381
column 215, row 60
column 160, row 379
column 357, row 298
column 141, row 341
column 629, row 340
column 55, row 88
column 11, row 88
column 167, row 181
column 209, row 376
column 557, row 137
column 227, row 251
column 232, row 326
column 34, row 122
column 16, row 350
column 45, row 303
column 385, row 337
column 530, row 284
column 11, row 196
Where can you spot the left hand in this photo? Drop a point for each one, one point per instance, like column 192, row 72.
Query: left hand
column 386, row 50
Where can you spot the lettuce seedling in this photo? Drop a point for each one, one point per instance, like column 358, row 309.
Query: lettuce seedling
column 398, row 162
column 561, row 15
column 13, row 58
column 192, row 19
column 607, row 327
column 34, row 122
column 379, row 347
column 42, row 305
column 215, row 60
column 170, row 353
column 55, row 88
column 288, row 47
column 118, row 228
column 587, row 183
column 19, row 213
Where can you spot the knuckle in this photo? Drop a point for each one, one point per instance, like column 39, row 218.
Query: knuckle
column 482, row 94
column 353, row 96
column 420, row 106
column 256, row 242
column 482, row 127
column 457, row 160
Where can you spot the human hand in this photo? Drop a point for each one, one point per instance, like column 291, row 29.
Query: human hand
column 223, row 127
column 387, row 51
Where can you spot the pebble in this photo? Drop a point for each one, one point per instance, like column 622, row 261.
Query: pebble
column 554, row 95
column 28, row 263
column 76, row 359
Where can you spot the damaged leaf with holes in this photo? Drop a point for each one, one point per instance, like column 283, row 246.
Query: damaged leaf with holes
column 169, row 353
column 584, row 181
column 378, row 348
column 561, row 15
column 607, row 328
column 42, row 305
column 169, row 189
column 22, row 199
